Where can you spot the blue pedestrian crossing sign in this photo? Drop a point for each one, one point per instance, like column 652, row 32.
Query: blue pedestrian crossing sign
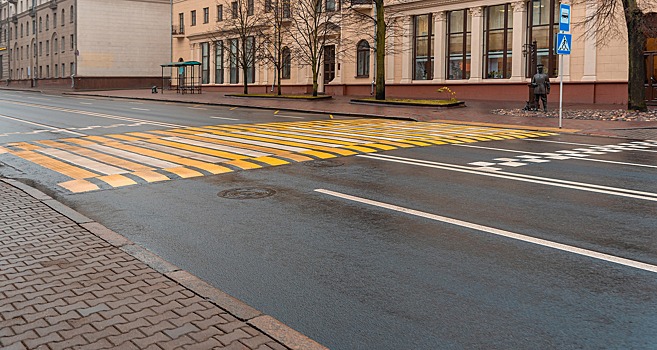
column 564, row 43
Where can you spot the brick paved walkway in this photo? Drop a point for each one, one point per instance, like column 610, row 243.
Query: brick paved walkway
column 62, row 287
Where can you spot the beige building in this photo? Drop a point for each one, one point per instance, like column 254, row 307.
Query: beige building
column 90, row 44
column 477, row 48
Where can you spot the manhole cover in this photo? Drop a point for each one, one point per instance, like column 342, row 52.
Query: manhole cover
column 247, row 193
column 329, row 163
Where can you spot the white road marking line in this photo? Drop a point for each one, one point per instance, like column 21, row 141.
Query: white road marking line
column 133, row 156
column 93, row 114
column 289, row 116
column 86, row 103
column 140, row 109
column 199, row 108
column 215, row 146
column 503, row 233
column 520, row 177
column 180, row 152
column 257, row 143
column 42, row 125
column 565, row 155
column 625, row 146
column 223, row 118
column 82, row 161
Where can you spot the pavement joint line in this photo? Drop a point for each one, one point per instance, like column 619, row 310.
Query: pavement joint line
column 268, row 325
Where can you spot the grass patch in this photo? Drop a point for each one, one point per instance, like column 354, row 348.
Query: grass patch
column 293, row 97
column 412, row 102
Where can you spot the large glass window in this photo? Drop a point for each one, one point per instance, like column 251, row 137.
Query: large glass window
column 193, row 15
column 205, row 63
column 234, row 72
column 287, row 63
column 459, row 44
column 220, row 13
column 250, row 64
column 206, row 15
column 363, row 59
column 543, row 26
column 219, row 62
column 422, row 47
column 498, row 39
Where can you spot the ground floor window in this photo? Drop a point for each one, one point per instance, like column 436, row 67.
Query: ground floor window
column 542, row 27
column 458, row 44
column 234, row 72
column 205, row 63
column 286, row 64
column 363, row 59
column 498, row 39
column 219, row 62
column 422, row 47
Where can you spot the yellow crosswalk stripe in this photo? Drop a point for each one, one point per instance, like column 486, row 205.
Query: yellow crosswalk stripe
column 243, row 164
column 150, row 176
column 55, row 165
column 184, row 172
column 79, row 186
column 122, row 163
column 117, row 180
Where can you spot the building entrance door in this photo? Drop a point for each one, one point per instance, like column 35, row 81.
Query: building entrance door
column 329, row 63
column 651, row 77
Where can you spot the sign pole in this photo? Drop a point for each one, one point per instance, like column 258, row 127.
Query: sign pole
column 560, row 89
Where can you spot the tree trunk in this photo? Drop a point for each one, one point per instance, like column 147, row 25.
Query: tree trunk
column 636, row 38
column 315, row 84
column 380, row 51
column 245, row 80
column 278, row 80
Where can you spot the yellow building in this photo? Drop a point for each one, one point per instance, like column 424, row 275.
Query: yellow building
column 474, row 47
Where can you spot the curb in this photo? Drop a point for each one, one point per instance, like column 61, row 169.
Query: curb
column 266, row 324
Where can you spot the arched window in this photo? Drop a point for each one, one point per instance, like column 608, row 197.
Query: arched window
column 363, row 59
column 72, row 14
column 40, row 24
column 63, row 17
column 287, row 63
column 47, row 22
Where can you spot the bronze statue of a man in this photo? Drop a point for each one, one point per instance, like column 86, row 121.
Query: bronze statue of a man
column 541, row 84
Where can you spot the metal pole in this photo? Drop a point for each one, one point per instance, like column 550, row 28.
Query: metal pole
column 560, row 90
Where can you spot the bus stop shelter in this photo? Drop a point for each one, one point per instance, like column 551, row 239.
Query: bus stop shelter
column 186, row 76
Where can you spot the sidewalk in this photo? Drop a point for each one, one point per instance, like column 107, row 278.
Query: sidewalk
column 476, row 112
column 67, row 282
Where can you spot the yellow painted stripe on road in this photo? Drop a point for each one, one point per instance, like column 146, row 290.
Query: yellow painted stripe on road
column 141, row 135
column 183, row 172
column 198, row 149
column 117, row 180
column 3, row 150
column 360, row 149
column 98, row 139
column 150, row 176
column 212, row 168
column 78, row 186
column 25, row 146
column 191, row 134
column 124, row 137
column 271, row 161
column 55, row 165
column 243, row 164
column 318, row 154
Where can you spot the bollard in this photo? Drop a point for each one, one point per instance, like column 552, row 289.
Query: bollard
column 154, row 90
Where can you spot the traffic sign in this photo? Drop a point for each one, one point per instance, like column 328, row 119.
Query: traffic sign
column 564, row 18
column 564, row 43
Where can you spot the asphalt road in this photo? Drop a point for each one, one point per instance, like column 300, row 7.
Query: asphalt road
column 546, row 243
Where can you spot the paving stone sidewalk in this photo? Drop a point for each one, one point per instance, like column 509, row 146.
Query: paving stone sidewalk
column 64, row 287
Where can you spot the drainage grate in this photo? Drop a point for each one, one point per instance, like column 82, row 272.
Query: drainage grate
column 323, row 163
column 247, row 193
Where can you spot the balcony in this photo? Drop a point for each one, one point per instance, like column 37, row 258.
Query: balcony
column 14, row 19
column 178, row 30
column 53, row 4
column 14, row 2
column 33, row 12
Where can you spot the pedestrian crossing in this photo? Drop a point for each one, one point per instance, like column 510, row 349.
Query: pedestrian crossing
column 116, row 160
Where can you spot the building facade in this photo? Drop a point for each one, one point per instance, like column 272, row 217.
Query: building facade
column 83, row 44
column 478, row 48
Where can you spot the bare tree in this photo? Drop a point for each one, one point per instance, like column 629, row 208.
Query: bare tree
column 313, row 29
column 246, row 26
column 381, row 23
column 604, row 21
column 272, row 51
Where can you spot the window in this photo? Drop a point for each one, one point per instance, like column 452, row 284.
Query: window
column 40, row 48
column 249, row 7
column 206, row 15
column 55, row 47
column 542, row 27
column 47, row 47
column 63, row 45
column 423, row 47
column 63, row 70
column 220, row 13
column 40, row 24
column 330, row 5
column 72, row 14
column 363, row 59
column 287, row 63
column 205, row 63
column 22, row 30
column 193, row 18
column 233, row 9
column 54, row 22
column 181, row 23
column 219, row 62
column 250, row 62
column 47, row 22
column 286, row 9
column 72, row 69
column 47, row 71
column 498, row 39
column 63, row 21
column 72, row 43
column 458, row 43
column 234, row 73
column 268, row 6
